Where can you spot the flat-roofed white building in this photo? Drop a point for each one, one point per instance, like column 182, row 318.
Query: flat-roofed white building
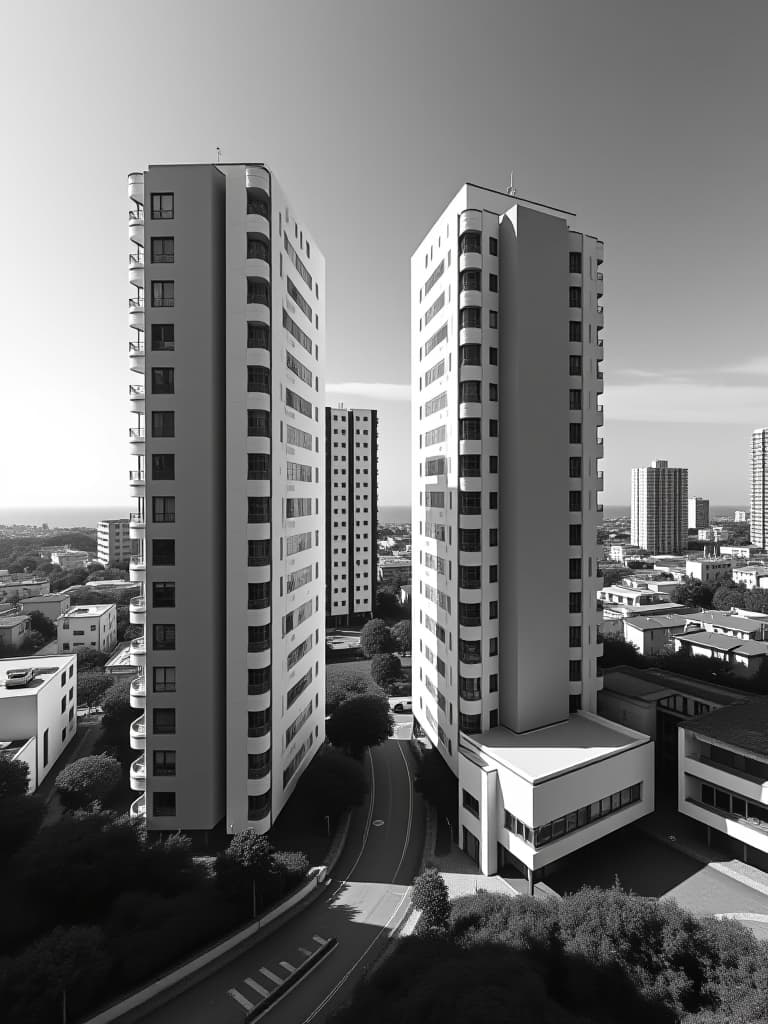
column 38, row 710
column 93, row 626
column 505, row 295
column 751, row 576
column 21, row 587
column 49, row 605
column 709, row 570
column 69, row 558
column 113, row 542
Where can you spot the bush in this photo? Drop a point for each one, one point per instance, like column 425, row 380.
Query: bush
column 42, row 624
column 375, row 638
column 20, row 819
column 401, row 634
column 88, row 658
column 88, row 779
column 332, row 783
column 118, row 713
column 293, row 866
column 386, row 669
column 91, row 688
column 360, row 722
column 14, row 777
column 430, row 896
column 342, row 687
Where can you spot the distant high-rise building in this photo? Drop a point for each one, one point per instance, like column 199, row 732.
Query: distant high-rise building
column 741, row 516
column 506, row 358
column 698, row 513
column 660, row 508
column 351, row 516
column 113, row 541
column 758, row 508
column 228, row 349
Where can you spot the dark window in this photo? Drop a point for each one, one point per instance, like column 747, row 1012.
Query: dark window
column 470, row 614
column 161, row 250
column 493, row 246
column 574, row 466
column 493, row 356
column 469, row 391
column 574, row 636
column 257, row 248
column 493, row 463
column 469, row 465
column 258, row 335
column 574, row 366
column 574, row 671
column 258, row 291
column 493, row 392
column 259, row 680
column 493, row 499
column 258, row 723
column 493, row 573
column 164, row 679
column 493, row 282
column 163, row 552
column 164, row 510
column 470, row 241
column 493, row 610
column 259, row 510
column 163, row 595
column 574, row 602
column 493, row 538
column 259, row 806
column 574, row 705
column 258, row 378
column 259, row 464
column 470, row 503
column 470, row 316
column 493, row 321
column 574, row 433
column 469, row 281
column 470, row 355
column 470, row 430
column 470, row 803
column 258, row 423
column 162, row 380
column 163, row 467
column 162, row 293
column 163, row 424
column 470, row 723
column 163, row 637
column 162, row 205
column 259, row 552
column 259, row 595
column 574, row 330
column 469, row 540
column 574, row 501
column 164, row 805
column 574, row 297
column 574, row 568
column 574, row 533
column 494, row 718
column 470, row 577
column 574, row 398
column 163, row 762
column 574, row 262
column 163, row 337
column 164, row 721
column 494, row 682
column 259, row 765
column 493, row 428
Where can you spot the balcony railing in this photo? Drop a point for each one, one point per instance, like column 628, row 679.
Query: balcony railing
column 139, row 807
column 139, row 686
column 136, row 348
column 139, row 767
column 470, row 620
column 136, row 476
column 137, row 518
column 136, row 259
column 136, row 391
column 136, row 216
column 254, row 731
column 469, row 693
column 139, row 726
column 138, row 604
column 136, row 305
column 256, row 647
column 138, row 646
column 136, row 433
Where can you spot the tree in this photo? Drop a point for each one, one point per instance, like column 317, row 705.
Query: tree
column 118, row 713
column 360, row 722
column 401, row 634
column 91, row 688
column 249, row 862
column 14, row 778
column 88, row 779
column 727, row 595
column 693, row 592
column 339, row 688
column 375, row 638
column 332, row 783
column 386, row 604
column 386, row 669
column 617, row 651
column 697, row 666
column 90, row 658
column 430, row 896
column 20, row 818
column 41, row 624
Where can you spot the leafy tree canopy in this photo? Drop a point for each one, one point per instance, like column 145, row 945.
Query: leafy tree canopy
column 88, row 779
column 14, row 777
column 375, row 638
column 360, row 722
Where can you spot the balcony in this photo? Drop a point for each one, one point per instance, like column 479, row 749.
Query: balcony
column 136, row 396
column 136, row 481
column 137, row 736
column 139, row 808
column 136, row 354
column 137, row 611
column 136, row 225
column 136, row 438
column 136, row 570
column 138, row 693
column 470, row 220
column 136, row 186
column 136, row 313
column 136, row 526
column 599, row 278
column 139, row 774
column 136, row 269
column 470, row 261
column 138, row 652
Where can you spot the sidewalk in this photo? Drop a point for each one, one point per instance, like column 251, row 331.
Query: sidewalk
column 464, row 878
column 672, row 828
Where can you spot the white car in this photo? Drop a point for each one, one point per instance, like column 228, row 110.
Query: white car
column 401, row 705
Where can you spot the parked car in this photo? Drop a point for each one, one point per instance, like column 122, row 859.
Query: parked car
column 401, row 705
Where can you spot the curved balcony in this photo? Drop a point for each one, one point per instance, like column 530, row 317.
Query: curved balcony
column 136, row 313
column 470, row 261
column 260, row 701
column 136, row 439
column 139, row 808
column 474, row 632
column 259, row 785
column 137, row 611
column 260, row 744
column 470, row 298
column 470, row 335
column 470, row 706
column 138, row 652
column 136, row 226
column 136, row 481
column 470, row 220
column 136, row 268
column 136, row 396
column 260, row 617
column 136, row 354
column 469, row 595
column 470, row 447
column 137, row 734
column 137, row 570
column 257, row 177
column 136, row 186
column 138, row 693
column 261, row 811
column 139, row 774
column 470, row 410
column 255, row 267
column 136, row 526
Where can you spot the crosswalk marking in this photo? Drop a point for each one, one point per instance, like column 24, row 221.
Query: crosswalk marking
column 245, row 1003
column 289, row 967
column 257, row 987
column 304, row 951
column 271, row 975
column 319, row 939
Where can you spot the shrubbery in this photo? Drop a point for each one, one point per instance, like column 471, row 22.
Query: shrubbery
column 375, row 638
column 360, row 722
column 87, row 780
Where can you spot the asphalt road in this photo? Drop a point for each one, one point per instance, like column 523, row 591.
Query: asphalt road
column 363, row 902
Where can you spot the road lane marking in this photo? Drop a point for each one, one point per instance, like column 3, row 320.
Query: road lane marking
column 257, row 987
column 271, row 975
column 304, row 951
column 319, row 939
column 410, row 812
column 246, row 1004
column 368, row 821
column 378, row 823
column 289, row 967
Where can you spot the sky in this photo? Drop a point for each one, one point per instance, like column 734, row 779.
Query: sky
column 648, row 120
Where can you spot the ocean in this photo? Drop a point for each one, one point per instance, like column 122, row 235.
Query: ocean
column 715, row 511
column 67, row 518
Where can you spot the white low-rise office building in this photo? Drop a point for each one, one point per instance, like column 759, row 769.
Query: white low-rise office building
column 709, row 570
column 93, row 626
column 38, row 711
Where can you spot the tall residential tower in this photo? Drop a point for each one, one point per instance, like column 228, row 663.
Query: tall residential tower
column 758, row 508
column 659, row 512
column 227, row 311
column 506, row 379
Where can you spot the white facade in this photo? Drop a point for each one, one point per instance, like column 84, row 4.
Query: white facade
column 659, row 511
column 92, row 626
column 506, row 379
column 230, row 488
column 709, row 570
column 741, row 516
column 652, row 634
column 70, row 559
column 758, row 508
column 113, row 541
column 19, row 589
column 50, row 605
column 351, row 503
column 38, row 710
column 698, row 513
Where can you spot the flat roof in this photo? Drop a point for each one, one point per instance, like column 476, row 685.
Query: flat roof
column 121, row 657
column 644, row 622
column 744, row 726
column 655, row 683
column 43, row 598
column 46, row 668
column 720, row 642
column 556, row 749
column 87, row 609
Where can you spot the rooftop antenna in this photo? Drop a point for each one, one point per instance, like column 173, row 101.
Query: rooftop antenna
column 512, row 191
column 218, row 154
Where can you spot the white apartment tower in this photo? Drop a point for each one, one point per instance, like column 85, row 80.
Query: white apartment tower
column 506, row 379
column 227, row 312
column 758, row 508
column 659, row 512
column 698, row 513
column 113, row 541
column 351, row 513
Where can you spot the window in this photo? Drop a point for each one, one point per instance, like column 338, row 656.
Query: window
column 574, row 262
column 574, row 636
column 163, row 762
column 493, row 573
column 257, row 291
column 493, row 499
column 161, row 250
column 256, row 247
column 259, row 806
column 574, row 568
column 162, row 380
column 493, row 610
column 259, row 465
column 299, row 299
column 294, row 401
column 164, row 721
column 493, row 538
column 470, row 803
column 469, row 465
column 163, row 424
column 164, row 805
column 493, row 246
column 574, row 366
column 493, row 392
column 470, row 316
column 574, row 466
column 163, row 595
column 574, row 671
column 434, row 373
column 163, row 637
column 163, row 552
column 259, row 510
column 470, row 503
column 574, row 297
column 163, row 510
column 470, row 241
column 437, row 337
column 493, row 283
column 163, row 467
column 469, row 430
column 470, row 281
column 470, row 723
column 161, row 205
column 574, row 433
column 162, row 338
column 493, row 428
column 574, row 501
column 574, row 398
column 259, row 552
column 162, row 293
column 435, row 308
column 296, row 332
column 298, row 542
column 259, row 423
column 296, row 507
column 164, row 679
column 258, row 335
column 258, row 639
column 493, row 321
column 259, row 379
column 301, row 438
column 469, row 391
column 259, row 765
column 436, row 274
column 259, row 680
column 299, row 369
column 574, row 533
column 494, row 682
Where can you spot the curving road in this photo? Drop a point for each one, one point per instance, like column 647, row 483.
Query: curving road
column 362, row 903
